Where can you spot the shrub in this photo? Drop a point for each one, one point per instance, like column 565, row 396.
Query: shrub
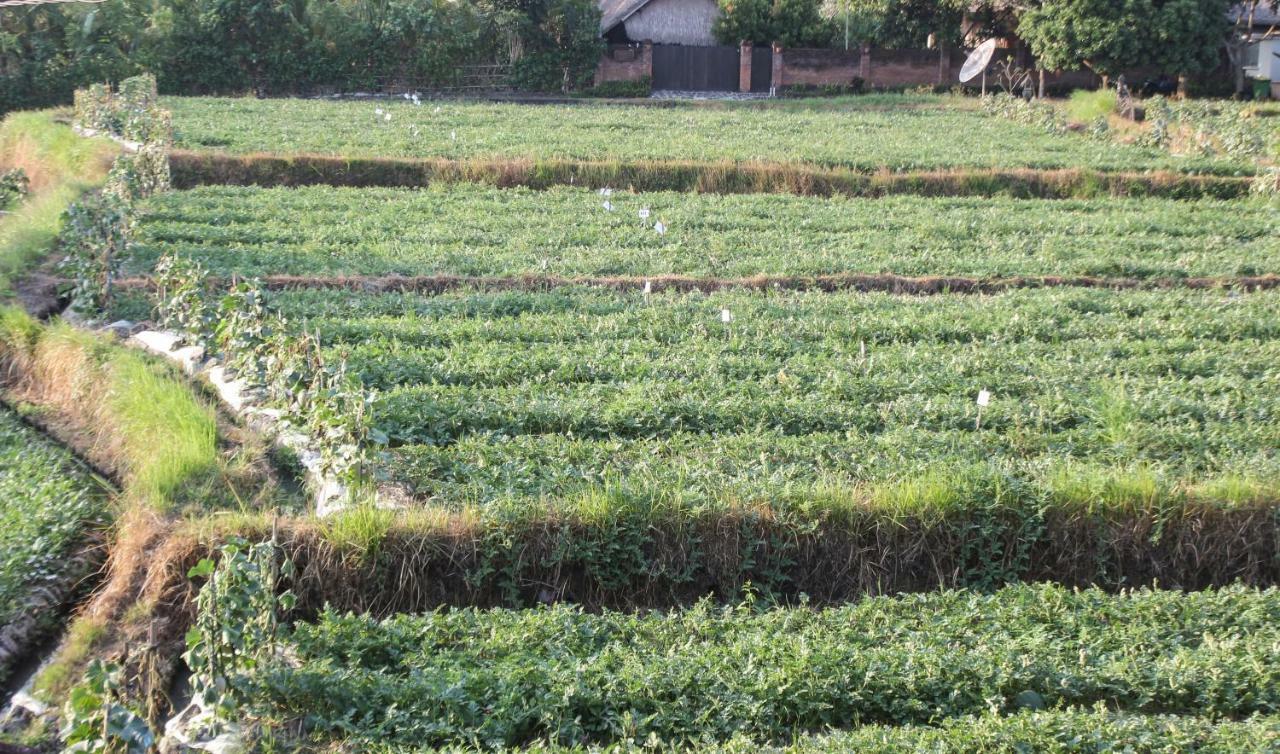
column 1087, row 106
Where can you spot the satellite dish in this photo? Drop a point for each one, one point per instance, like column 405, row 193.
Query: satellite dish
column 977, row 61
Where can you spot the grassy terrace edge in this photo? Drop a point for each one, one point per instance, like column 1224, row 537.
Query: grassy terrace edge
column 198, row 168
column 603, row 555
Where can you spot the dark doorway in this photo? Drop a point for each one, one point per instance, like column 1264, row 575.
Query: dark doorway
column 695, row 69
column 761, row 69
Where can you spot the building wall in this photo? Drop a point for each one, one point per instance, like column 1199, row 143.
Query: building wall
column 685, row 22
column 625, row 63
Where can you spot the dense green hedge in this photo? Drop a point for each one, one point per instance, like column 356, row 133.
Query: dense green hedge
column 275, row 46
column 500, row 678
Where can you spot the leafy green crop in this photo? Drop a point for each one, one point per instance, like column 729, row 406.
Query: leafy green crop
column 707, row 674
column 1045, row 732
column 532, row 395
column 48, row 501
column 471, row 230
column 944, row 133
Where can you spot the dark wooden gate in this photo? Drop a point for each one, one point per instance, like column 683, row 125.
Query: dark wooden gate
column 695, row 69
column 761, row 68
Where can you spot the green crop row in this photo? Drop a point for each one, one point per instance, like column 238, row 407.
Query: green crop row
column 531, row 395
column 1045, row 732
column 707, row 674
column 470, row 230
column 949, row 134
column 48, row 503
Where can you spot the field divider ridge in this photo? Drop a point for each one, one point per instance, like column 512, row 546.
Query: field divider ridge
column 196, row 168
column 855, row 282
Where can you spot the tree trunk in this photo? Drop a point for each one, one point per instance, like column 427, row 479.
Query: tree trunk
column 1041, row 83
column 1182, row 86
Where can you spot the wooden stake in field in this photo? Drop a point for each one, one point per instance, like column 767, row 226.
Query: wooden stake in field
column 726, row 317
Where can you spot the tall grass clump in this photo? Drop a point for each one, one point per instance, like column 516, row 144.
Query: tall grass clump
column 169, row 436
column 61, row 166
column 1085, row 106
column 129, row 416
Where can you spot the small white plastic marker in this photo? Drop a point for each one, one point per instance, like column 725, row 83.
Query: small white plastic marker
column 662, row 229
column 726, row 316
column 984, row 399
column 862, row 350
column 387, row 117
column 606, row 191
column 644, row 213
column 377, row 111
column 608, row 205
column 453, row 135
column 648, row 287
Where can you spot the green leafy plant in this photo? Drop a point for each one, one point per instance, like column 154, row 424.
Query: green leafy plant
column 14, row 187
column 181, row 302
column 96, row 719
column 237, row 625
column 138, row 175
column 96, row 232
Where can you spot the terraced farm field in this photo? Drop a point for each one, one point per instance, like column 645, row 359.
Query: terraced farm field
column 498, row 678
column 49, row 505
column 583, row 469
column 467, row 230
column 528, row 396
column 926, row 134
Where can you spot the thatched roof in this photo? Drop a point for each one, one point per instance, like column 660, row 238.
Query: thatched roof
column 614, row 12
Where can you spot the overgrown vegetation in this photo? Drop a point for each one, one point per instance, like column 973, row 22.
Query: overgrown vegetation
column 128, row 415
column 59, row 166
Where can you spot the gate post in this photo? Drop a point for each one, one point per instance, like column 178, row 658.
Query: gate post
column 646, row 60
column 776, row 79
column 744, row 66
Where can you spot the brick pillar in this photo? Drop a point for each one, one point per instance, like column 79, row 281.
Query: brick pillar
column 646, row 59
column 776, row 82
column 744, row 67
column 864, row 65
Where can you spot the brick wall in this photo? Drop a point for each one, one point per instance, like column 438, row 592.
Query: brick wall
column 818, row 67
column 629, row 62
